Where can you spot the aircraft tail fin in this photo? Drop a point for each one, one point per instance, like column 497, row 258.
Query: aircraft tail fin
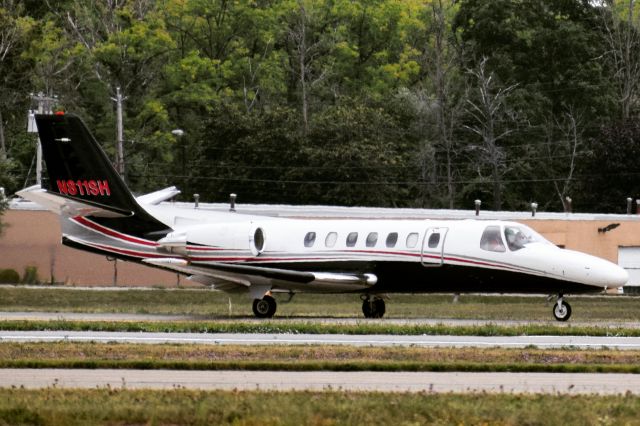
column 80, row 171
column 77, row 166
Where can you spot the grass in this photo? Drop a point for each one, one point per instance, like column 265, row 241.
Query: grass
column 186, row 407
column 216, row 305
column 312, row 358
column 312, row 327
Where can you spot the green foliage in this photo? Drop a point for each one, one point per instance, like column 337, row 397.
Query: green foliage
column 328, row 101
column 30, row 275
column 9, row 276
column 115, row 405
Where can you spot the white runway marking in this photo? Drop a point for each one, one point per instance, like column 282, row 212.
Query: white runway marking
column 584, row 342
column 553, row 383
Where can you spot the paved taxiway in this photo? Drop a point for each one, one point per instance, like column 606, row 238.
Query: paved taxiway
column 107, row 316
column 553, row 383
column 585, row 342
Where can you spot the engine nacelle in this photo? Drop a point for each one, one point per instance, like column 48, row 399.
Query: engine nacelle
column 240, row 236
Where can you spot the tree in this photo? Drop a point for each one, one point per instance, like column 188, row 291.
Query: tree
column 441, row 106
column 610, row 173
column 622, row 35
column 489, row 110
column 309, row 44
column 14, row 28
column 565, row 151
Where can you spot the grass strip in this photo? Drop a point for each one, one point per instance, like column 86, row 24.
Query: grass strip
column 317, row 328
column 54, row 406
column 312, row 358
column 321, row 366
column 218, row 305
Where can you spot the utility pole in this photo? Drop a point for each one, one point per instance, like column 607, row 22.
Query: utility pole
column 45, row 106
column 119, row 132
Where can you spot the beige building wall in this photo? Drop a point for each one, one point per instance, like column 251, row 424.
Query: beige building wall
column 32, row 238
column 583, row 235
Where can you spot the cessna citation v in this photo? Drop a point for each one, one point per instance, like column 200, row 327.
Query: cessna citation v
column 261, row 256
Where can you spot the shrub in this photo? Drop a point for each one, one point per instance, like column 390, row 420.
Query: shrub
column 9, row 276
column 30, row 275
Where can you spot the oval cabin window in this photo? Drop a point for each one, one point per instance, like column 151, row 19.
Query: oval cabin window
column 352, row 239
column 331, row 239
column 434, row 240
column 372, row 239
column 309, row 239
column 392, row 239
column 412, row 240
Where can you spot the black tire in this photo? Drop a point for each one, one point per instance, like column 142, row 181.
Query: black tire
column 373, row 308
column 562, row 312
column 379, row 308
column 265, row 307
column 367, row 308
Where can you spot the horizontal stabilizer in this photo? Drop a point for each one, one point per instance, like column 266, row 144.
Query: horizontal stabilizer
column 65, row 205
column 157, row 197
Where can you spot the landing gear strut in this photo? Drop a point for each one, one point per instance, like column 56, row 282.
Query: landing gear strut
column 373, row 307
column 561, row 309
column 265, row 307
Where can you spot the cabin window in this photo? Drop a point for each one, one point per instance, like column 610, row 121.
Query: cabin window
column 372, row 239
column 434, row 240
column 309, row 239
column 412, row 240
column 491, row 239
column 352, row 238
column 392, row 239
column 331, row 239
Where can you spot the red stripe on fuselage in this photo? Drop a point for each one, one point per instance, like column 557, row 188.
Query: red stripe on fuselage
column 114, row 234
column 111, row 233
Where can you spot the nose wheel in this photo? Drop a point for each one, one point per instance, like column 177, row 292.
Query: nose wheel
column 561, row 310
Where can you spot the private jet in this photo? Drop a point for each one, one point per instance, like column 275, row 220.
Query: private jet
column 262, row 255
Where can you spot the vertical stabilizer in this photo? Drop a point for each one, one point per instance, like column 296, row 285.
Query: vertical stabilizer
column 79, row 170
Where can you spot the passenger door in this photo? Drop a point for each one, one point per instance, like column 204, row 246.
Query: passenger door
column 432, row 253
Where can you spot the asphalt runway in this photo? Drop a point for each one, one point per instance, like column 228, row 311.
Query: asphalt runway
column 549, row 383
column 107, row 316
column 583, row 342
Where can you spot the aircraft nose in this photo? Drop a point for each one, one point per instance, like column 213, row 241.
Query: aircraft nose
column 608, row 274
column 619, row 276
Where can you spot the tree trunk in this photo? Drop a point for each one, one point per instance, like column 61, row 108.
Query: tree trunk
column 302, row 50
column 3, row 147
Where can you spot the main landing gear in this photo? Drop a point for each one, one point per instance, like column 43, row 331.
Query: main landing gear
column 561, row 309
column 372, row 307
column 265, row 307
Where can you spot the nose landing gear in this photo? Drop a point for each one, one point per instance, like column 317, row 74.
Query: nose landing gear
column 373, row 307
column 561, row 309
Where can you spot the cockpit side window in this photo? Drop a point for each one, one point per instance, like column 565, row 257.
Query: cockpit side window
column 491, row 240
column 516, row 238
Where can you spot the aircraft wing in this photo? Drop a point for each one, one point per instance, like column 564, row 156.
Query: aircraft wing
column 233, row 277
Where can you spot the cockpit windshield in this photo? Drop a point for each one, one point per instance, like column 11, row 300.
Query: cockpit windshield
column 518, row 237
